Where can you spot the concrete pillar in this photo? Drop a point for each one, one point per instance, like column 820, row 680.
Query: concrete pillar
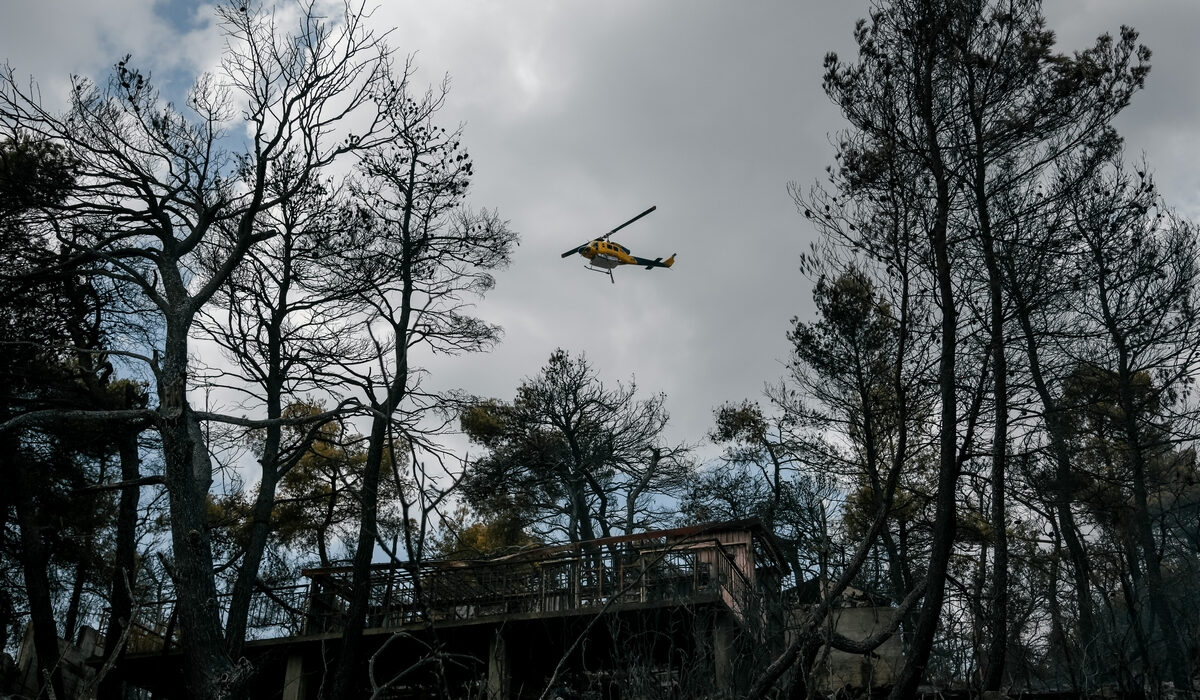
column 724, row 631
column 88, row 642
column 499, row 673
column 293, row 678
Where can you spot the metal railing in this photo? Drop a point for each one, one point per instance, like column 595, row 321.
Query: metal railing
column 559, row 580
column 274, row 612
column 601, row 575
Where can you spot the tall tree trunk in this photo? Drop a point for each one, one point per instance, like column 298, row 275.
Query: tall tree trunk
column 998, row 609
column 1143, row 532
column 76, row 598
column 351, row 663
column 1060, row 452
column 264, row 503
column 945, row 502
column 208, row 670
column 35, row 565
column 1131, row 579
column 347, row 676
column 120, row 599
column 260, row 529
column 1057, row 627
column 1160, row 608
column 326, row 524
column 581, row 517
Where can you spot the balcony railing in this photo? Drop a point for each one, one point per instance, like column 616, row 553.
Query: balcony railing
column 617, row 573
column 558, row 582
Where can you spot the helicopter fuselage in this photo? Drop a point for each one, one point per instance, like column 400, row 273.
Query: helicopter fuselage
column 607, row 255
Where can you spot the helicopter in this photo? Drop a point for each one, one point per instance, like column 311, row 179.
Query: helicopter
column 603, row 255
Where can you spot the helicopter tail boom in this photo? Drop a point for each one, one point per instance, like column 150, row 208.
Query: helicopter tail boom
column 657, row 262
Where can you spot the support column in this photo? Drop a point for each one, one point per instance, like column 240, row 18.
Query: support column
column 724, row 631
column 293, row 678
column 499, row 673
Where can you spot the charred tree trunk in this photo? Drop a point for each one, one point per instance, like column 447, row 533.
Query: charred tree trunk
column 998, row 604
column 208, row 670
column 125, row 564
column 945, row 500
column 35, row 560
column 260, row 526
column 350, row 672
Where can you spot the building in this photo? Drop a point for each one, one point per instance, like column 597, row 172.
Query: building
column 671, row 613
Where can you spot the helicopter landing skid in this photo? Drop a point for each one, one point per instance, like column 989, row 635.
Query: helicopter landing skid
column 603, row 271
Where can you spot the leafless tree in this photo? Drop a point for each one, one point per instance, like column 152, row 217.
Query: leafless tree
column 413, row 265
column 171, row 198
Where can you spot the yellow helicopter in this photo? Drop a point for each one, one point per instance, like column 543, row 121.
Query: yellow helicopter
column 603, row 255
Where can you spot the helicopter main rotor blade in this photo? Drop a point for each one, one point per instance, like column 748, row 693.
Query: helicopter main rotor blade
column 576, row 249
column 631, row 221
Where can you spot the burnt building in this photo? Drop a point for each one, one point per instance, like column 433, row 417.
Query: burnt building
column 670, row 613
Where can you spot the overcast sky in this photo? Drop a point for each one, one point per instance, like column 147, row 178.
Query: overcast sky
column 581, row 114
